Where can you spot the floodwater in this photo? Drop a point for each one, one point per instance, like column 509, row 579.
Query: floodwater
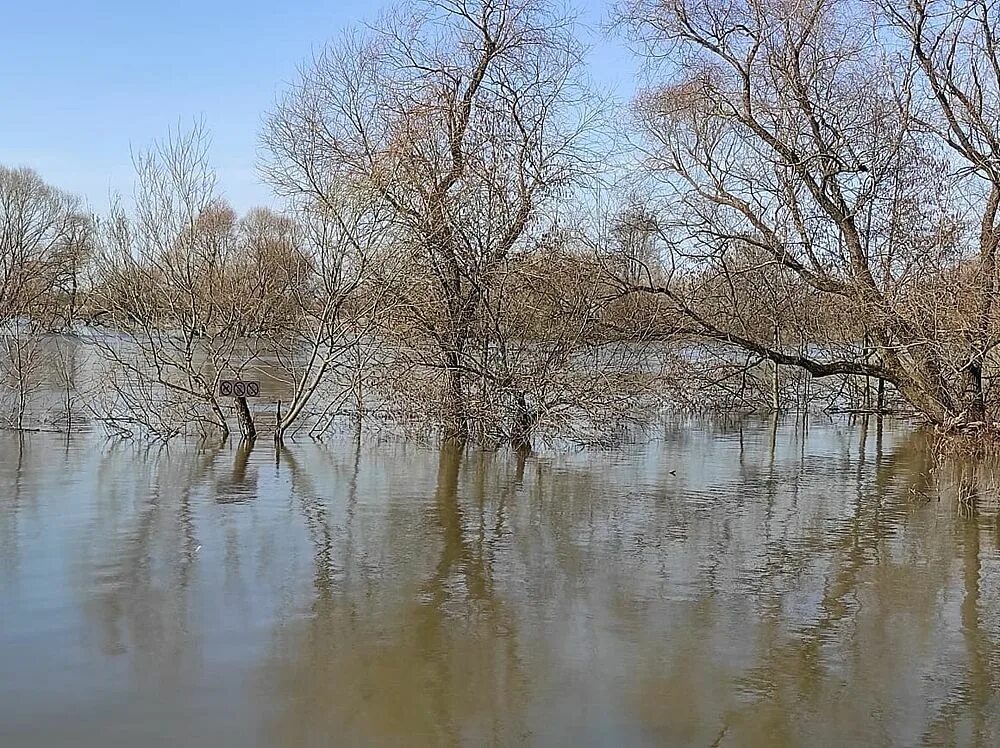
column 728, row 584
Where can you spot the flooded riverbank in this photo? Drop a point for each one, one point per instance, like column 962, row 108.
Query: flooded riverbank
column 741, row 583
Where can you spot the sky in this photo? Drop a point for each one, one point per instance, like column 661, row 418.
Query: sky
column 86, row 82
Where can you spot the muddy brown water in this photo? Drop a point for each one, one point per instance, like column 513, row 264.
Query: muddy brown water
column 728, row 584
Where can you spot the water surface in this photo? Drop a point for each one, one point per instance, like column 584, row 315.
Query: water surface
column 730, row 584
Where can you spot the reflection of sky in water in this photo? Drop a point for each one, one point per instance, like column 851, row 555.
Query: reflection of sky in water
column 727, row 582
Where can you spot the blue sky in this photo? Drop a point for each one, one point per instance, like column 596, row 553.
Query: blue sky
column 83, row 82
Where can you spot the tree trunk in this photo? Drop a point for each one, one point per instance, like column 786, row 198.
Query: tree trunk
column 524, row 421
column 456, row 420
column 22, row 386
column 971, row 396
column 775, row 385
column 220, row 418
column 867, row 355
column 775, row 388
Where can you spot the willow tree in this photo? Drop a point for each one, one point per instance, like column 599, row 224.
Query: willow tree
column 465, row 120
column 806, row 164
column 951, row 92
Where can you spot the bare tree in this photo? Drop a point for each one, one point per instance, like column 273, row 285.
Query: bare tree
column 464, row 120
column 43, row 240
column 950, row 91
column 338, row 307
column 189, row 294
column 546, row 355
column 803, row 195
column 40, row 227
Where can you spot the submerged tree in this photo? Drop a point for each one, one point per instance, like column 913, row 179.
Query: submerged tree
column 813, row 187
column 192, row 294
column 326, row 356
column 465, row 120
column 950, row 90
column 162, row 284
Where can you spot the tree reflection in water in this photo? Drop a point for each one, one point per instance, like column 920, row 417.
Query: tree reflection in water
column 428, row 656
column 735, row 583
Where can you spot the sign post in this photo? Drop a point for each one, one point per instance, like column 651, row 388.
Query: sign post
column 240, row 390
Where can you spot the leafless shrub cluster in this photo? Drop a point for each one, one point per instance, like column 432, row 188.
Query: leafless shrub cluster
column 196, row 294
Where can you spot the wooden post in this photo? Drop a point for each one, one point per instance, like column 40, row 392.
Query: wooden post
column 240, row 390
column 245, row 418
